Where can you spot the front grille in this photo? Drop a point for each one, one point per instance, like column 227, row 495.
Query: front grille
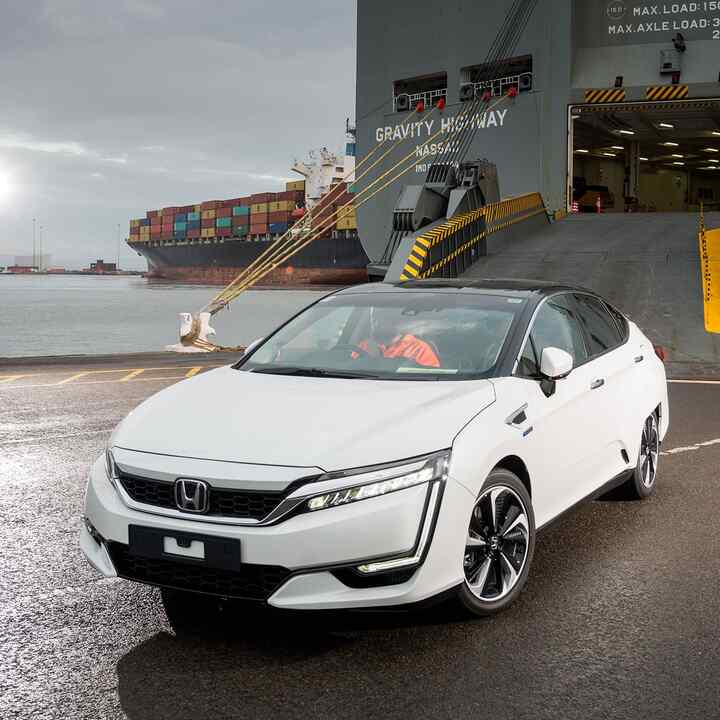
column 252, row 582
column 223, row 501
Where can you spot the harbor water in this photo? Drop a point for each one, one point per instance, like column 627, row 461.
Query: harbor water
column 71, row 314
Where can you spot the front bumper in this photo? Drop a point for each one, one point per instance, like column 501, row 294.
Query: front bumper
column 304, row 561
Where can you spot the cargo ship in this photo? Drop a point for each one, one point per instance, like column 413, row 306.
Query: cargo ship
column 211, row 242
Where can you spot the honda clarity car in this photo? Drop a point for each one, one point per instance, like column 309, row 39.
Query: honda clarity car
column 389, row 445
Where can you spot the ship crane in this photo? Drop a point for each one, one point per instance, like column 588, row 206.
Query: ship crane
column 452, row 185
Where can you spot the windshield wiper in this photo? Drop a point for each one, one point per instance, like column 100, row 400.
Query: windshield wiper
column 309, row 372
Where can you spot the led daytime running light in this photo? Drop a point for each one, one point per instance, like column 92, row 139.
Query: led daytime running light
column 432, row 470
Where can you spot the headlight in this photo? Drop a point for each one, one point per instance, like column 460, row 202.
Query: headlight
column 387, row 479
column 110, row 467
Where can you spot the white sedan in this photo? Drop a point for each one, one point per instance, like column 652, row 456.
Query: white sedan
column 390, row 444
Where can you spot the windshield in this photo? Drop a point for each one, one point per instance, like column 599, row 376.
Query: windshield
column 392, row 335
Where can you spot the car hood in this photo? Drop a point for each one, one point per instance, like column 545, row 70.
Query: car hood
column 329, row 423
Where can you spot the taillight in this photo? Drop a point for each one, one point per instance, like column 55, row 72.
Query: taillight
column 660, row 352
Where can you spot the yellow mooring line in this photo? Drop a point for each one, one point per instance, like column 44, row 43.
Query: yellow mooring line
column 710, row 272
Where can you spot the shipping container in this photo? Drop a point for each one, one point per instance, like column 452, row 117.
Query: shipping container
column 144, row 222
column 261, row 198
column 241, row 220
column 169, row 211
column 155, row 231
column 295, row 185
column 239, row 210
column 223, row 222
column 166, row 235
column 192, row 216
column 152, row 213
column 240, row 230
column 193, row 233
column 281, row 205
column 223, row 212
column 224, row 232
column 207, row 232
column 180, row 217
column 279, row 217
column 209, row 205
column 259, row 229
column 180, row 226
column 179, row 234
column 346, row 212
column 278, row 228
column 167, row 227
column 259, row 208
column 155, row 221
column 207, row 223
column 135, row 223
column 208, row 214
column 347, row 223
column 193, row 224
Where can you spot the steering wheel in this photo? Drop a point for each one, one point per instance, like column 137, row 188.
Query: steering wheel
column 349, row 348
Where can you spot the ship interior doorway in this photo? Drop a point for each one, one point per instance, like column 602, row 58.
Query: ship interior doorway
column 644, row 157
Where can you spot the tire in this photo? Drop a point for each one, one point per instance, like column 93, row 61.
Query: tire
column 497, row 568
column 191, row 613
column 642, row 482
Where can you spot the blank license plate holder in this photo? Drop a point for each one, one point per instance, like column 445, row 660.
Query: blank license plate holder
column 220, row 553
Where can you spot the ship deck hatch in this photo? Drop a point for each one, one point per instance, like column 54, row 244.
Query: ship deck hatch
column 644, row 156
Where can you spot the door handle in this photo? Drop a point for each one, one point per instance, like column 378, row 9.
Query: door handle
column 595, row 384
column 639, row 358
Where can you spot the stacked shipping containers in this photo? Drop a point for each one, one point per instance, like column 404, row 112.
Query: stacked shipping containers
column 255, row 216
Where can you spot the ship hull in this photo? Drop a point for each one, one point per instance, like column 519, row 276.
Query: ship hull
column 326, row 261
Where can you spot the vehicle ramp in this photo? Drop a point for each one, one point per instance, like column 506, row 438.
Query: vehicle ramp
column 647, row 264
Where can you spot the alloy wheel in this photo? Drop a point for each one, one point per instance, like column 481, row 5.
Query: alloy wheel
column 649, row 451
column 497, row 543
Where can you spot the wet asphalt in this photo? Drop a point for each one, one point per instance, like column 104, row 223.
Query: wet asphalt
column 619, row 618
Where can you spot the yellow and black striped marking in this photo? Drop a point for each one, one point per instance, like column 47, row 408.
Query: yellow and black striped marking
column 605, row 95
column 666, row 92
column 497, row 216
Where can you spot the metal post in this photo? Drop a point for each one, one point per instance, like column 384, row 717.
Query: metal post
column 34, row 254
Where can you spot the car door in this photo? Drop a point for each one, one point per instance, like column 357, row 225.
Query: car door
column 560, row 429
column 614, row 388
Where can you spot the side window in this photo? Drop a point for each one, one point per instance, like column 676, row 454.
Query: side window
column 528, row 364
column 600, row 326
column 556, row 325
column 620, row 321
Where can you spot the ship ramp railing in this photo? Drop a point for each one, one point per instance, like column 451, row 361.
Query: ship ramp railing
column 450, row 248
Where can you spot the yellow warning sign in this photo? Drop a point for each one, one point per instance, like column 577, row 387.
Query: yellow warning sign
column 710, row 269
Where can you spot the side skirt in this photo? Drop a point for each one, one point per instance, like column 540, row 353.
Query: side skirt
column 602, row 490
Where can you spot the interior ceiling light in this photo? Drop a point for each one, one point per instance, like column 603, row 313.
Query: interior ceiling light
column 626, row 132
column 678, row 163
column 617, row 147
column 670, row 144
column 582, row 151
column 716, row 133
column 667, row 126
column 609, row 154
column 644, row 158
column 713, row 160
column 676, row 155
column 710, row 150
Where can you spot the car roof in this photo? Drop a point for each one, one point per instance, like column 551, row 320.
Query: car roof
column 488, row 286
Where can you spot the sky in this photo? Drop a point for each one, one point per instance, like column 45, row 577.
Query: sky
column 110, row 109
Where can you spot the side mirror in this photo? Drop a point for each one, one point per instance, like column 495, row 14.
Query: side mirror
column 252, row 345
column 555, row 363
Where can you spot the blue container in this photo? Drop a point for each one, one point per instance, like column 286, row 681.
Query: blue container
column 276, row 228
column 193, row 216
column 240, row 210
column 179, row 234
column 193, row 224
column 180, row 217
column 144, row 222
column 180, row 226
column 223, row 222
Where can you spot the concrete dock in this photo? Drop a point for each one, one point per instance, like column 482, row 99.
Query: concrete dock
column 619, row 618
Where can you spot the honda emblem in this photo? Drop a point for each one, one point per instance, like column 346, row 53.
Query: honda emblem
column 192, row 495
